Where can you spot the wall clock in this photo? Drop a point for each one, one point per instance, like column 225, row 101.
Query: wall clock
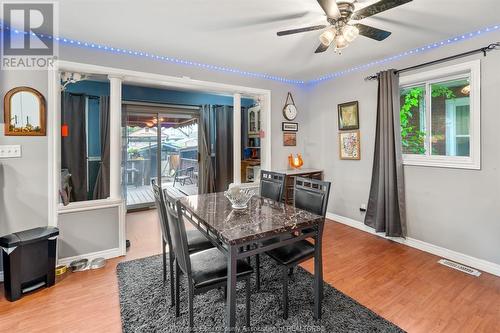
column 289, row 110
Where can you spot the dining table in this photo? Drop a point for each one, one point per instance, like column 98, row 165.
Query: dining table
column 243, row 233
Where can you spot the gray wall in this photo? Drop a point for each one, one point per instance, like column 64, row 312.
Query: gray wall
column 88, row 231
column 23, row 181
column 452, row 208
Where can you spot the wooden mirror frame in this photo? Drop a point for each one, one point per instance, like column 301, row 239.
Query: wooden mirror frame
column 7, row 112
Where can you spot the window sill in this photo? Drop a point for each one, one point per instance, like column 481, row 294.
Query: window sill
column 442, row 162
column 88, row 205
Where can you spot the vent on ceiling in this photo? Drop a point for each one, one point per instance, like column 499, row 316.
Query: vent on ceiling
column 459, row 267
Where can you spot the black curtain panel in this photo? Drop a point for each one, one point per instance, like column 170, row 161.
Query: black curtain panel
column 101, row 189
column 223, row 147
column 74, row 146
column 206, row 169
column 386, row 205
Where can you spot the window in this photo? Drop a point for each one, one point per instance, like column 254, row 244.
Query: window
column 440, row 117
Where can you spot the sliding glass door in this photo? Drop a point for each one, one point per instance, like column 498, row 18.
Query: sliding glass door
column 161, row 145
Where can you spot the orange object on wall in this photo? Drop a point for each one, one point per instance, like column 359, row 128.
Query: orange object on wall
column 64, row 130
column 295, row 162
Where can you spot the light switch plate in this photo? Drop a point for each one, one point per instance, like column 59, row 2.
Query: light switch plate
column 10, row 151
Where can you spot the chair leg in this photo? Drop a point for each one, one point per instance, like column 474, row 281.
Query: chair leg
column 290, row 271
column 247, row 291
column 163, row 245
column 177, row 289
column 171, row 260
column 285, row 292
column 191, row 300
column 257, row 272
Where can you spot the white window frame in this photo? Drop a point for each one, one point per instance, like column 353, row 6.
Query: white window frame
column 473, row 70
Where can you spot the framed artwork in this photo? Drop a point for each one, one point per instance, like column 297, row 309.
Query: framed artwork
column 289, row 127
column 24, row 112
column 289, row 139
column 349, row 145
column 348, row 116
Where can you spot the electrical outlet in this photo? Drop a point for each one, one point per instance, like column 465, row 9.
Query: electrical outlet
column 10, row 151
column 362, row 208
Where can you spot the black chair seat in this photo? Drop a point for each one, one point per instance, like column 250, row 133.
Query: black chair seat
column 197, row 241
column 209, row 267
column 292, row 253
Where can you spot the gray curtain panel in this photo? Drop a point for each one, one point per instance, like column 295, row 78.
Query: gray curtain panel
column 223, row 147
column 386, row 205
column 206, row 182
column 101, row 189
column 74, row 146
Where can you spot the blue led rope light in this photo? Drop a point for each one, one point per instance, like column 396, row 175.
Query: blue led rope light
column 327, row 77
column 151, row 56
column 418, row 50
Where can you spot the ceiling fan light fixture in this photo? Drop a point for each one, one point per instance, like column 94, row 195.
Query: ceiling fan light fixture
column 350, row 33
column 327, row 37
column 341, row 42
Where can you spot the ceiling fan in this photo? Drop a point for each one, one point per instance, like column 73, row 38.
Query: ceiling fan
column 340, row 32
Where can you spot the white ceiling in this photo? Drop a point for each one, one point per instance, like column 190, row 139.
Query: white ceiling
column 242, row 34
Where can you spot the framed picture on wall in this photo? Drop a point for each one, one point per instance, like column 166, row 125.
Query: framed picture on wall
column 349, row 145
column 289, row 127
column 289, row 139
column 348, row 116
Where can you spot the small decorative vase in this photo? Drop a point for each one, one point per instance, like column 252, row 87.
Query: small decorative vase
column 295, row 162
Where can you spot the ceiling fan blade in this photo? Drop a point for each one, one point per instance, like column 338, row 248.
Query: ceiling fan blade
column 299, row 30
column 322, row 48
column 330, row 8
column 377, row 7
column 371, row 32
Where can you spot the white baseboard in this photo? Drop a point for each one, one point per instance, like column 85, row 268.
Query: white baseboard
column 106, row 254
column 464, row 259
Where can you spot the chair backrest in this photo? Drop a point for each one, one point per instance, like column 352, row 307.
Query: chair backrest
column 272, row 185
column 178, row 235
column 162, row 211
column 312, row 195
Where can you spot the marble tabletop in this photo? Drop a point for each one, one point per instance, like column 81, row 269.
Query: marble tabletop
column 262, row 217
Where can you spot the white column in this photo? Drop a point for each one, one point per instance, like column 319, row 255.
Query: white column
column 115, row 137
column 237, row 138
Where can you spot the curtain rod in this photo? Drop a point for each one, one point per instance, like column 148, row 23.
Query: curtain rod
column 484, row 50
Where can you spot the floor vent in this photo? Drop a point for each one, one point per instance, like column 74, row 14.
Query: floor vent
column 459, row 267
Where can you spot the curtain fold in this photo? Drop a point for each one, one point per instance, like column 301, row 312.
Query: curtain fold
column 101, row 188
column 223, row 147
column 206, row 175
column 386, row 205
column 74, row 146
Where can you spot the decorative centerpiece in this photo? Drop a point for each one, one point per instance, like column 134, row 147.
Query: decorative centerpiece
column 295, row 162
column 239, row 197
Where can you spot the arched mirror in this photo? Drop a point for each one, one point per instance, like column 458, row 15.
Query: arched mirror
column 24, row 112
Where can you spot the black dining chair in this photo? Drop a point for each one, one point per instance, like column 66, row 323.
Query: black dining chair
column 310, row 195
column 204, row 270
column 196, row 240
column 272, row 186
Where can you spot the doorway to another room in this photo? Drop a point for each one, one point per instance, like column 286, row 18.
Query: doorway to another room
column 160, row 144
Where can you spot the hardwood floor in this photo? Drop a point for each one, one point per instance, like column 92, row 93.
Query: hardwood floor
column 403, row 285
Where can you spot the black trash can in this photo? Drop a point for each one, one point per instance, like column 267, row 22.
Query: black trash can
column 29, row 260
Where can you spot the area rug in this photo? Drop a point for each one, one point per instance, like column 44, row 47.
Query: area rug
column 145, row 304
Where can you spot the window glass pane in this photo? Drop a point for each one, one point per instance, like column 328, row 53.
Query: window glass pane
column 413, row 120
column 450, row 118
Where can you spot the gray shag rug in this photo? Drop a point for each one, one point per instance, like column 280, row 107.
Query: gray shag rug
column 145, row 304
